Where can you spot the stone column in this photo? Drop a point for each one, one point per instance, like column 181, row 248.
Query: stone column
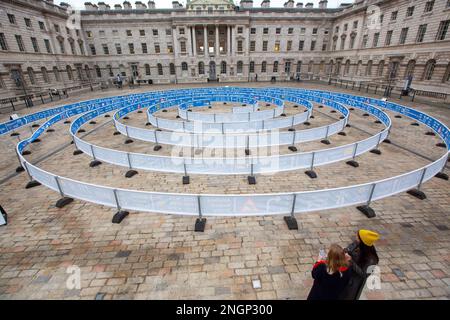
column 194, row 40
column 229, row 40
column 189, row 42
column 217, row 41
column 233, row 41
column 205, row 40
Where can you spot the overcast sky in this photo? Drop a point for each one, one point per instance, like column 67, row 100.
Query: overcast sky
column 168, row 3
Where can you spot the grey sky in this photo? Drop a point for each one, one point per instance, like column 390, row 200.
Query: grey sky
column 168, row 3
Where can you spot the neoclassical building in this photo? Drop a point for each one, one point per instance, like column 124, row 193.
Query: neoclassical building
column 219, row 40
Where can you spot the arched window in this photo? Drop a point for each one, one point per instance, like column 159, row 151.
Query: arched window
column 30, row 72
column 172, row 69
column 347, row 67
column 410, row 68
column 322, row 67
column 299, row 67
column 69, row 73
column 275, row 67
column 184, row 66
column 264, row 67
column 201, row 68
column 160, row 69
column 369, row 68
column 240, row 67
column 380, row 68
column 45, row 75
column 223, row 67
column 310, row 66
column 98, row 71
column 110, row 70
column 358, row 68
column 147, row 69
column 56, row 73
column 252, row 67
column 446, row 77
column 88, row 71
column 429, row 69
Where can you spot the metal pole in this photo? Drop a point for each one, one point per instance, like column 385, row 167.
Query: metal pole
column 293, row 205
column 25, row 164
column 371, row 194
column 156, row 139
column 421, row 178
column 59, row 186
column 184, row 165
column 354, row 150
column 129, row 160
column 326, row 134
column 199, row 207
column 92, row 150
column 117, row 199
column 312, row 160
column 293, row 138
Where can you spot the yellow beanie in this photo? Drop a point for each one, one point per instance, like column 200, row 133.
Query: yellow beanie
column 368, row 237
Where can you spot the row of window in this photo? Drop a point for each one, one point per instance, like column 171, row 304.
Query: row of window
column 421, row 31
column 35, row 44
column 29, row 24
column 128, row 33
column 427, row 73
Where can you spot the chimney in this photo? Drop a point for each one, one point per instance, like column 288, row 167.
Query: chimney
column 127, row 5
column 289, row 4
column 64, row 5
column 265, row 4
column 102, row 6
column 140, row 5
column 300, row 5
column 309, row 5
column 323, row 4
column 151, row 4
column 246, row 3
column 117, row 7
column 88, row 6
column 176, row 4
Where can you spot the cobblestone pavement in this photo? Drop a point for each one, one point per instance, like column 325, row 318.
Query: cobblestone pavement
column 155, row 256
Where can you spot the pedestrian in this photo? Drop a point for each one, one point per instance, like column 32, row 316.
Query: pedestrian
column 331, row 274
column 119, row 81
column 363, row 255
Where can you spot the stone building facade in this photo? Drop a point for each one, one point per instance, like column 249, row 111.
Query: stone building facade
column 218, row 40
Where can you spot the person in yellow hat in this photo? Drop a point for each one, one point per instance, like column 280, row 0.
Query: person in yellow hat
column 362, row 254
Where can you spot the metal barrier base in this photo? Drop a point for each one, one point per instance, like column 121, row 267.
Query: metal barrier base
column 375, row 151
column 63, row 202
column 130, row 173
column 128, row 141
column 325, row 141
column 291, row 222
column 157, row 148
column 441, row 145
column 50, row 130
column 251, row 180
column 311, row 173
column 430, row 133
column 119, row 216
column 247, row 152
column 116, row 133
column 307, row 123
column 95, row 163
column 293, row 148
column 388, row 141
column 26, row 152
column 20, row 169
column 442, row 175
column 186, row 180
column 32, row 184
column 77, row 152
column 200, row 225
column 36, row 140
column 14, row 134
column 353, row 163
column 342, row 133
column 417, row 193
column 367, row 211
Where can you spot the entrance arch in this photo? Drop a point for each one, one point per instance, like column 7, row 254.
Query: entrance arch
column 212, row 71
